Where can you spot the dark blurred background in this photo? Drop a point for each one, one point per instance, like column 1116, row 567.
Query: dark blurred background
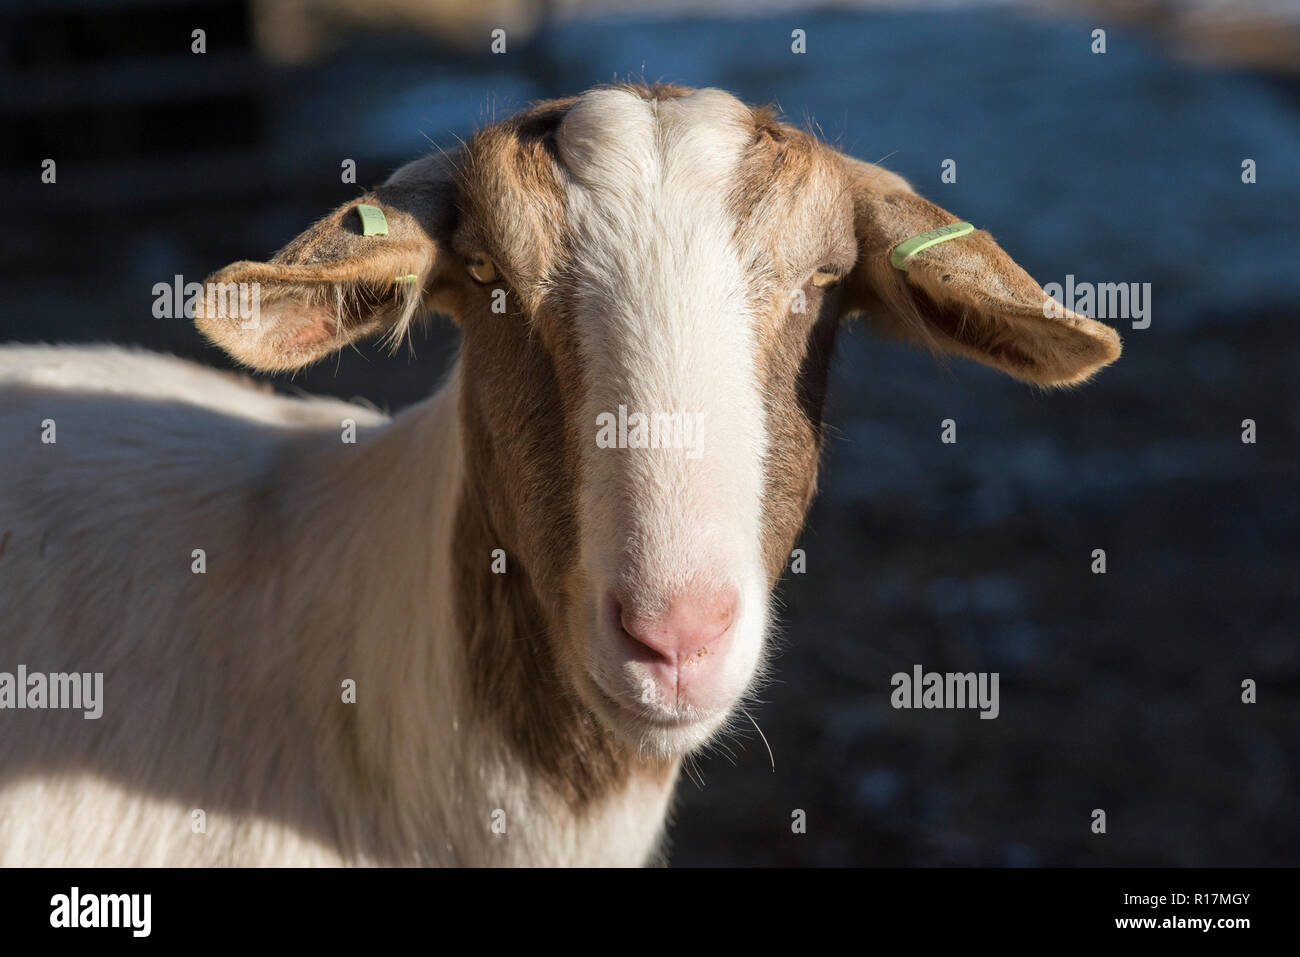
column 1119, row 691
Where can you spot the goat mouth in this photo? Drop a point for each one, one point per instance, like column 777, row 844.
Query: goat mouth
column 618, row 713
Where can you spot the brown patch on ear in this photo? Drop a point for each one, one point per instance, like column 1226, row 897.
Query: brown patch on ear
column 332, row 285
column 966, row 296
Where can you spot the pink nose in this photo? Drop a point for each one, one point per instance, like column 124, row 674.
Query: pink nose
column 690, row 630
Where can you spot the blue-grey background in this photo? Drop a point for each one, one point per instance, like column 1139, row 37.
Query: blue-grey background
column 1118, row 691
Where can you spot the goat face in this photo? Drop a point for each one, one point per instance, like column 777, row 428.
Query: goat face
column 649, row 281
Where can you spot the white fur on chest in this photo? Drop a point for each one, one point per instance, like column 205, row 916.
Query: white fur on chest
column 225, row 739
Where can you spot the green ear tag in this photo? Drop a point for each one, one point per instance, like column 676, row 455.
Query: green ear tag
column 910, row 247
column 373, row 222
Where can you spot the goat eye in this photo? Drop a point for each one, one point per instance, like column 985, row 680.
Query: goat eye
column 480, row 268
column 826, row 276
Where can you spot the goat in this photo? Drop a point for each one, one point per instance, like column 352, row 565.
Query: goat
column 475, row 635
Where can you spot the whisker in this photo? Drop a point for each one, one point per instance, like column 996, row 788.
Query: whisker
column 770, row 756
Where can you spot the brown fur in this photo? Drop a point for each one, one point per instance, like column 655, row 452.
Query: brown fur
column 525, row 501
column 787, row 182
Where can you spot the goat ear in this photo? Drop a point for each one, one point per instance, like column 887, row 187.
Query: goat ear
column 362, row 269
column 965, row 296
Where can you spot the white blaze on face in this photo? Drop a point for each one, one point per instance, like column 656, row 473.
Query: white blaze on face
column 666, row 327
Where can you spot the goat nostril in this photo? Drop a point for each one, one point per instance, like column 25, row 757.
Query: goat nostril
column 640, row 631
column 693, row 625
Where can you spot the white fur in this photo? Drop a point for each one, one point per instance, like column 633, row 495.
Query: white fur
column 666, row 326
column 222, row 691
